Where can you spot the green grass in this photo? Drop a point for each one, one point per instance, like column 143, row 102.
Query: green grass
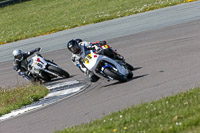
column 193, row 129
column 12, row 99
column 40, row 17
column 179, row 113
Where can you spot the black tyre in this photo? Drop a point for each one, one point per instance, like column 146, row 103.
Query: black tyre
column 46, row 76
column 129, row 67
column 130, row 75
column 114, row 75
column 59, row 71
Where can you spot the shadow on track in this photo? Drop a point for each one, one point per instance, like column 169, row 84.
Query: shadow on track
column 136, row 68
column 116, row 83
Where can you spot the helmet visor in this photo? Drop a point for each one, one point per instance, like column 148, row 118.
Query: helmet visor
column 75, row 49
column 18, row 57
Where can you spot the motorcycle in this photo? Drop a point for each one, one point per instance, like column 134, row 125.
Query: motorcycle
column 107, row 68
column 43, row 69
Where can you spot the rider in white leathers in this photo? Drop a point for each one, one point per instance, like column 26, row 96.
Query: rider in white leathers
column 81, row 48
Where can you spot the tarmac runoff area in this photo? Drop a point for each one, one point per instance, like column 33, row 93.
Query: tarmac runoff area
column 57, row 91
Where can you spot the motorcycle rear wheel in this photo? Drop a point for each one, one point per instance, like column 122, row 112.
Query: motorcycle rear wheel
column 59, row 71
column 114, row 75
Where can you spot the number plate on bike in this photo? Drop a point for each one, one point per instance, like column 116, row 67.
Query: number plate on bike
column 87, row 58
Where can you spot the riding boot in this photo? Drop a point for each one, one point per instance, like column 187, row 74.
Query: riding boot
column 119, row 57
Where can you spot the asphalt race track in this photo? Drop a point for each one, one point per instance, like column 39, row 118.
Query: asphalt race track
column 166, row 61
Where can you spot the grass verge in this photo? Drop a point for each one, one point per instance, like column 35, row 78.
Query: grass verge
column 179, row 113
column 39, row 17
column 16, row 98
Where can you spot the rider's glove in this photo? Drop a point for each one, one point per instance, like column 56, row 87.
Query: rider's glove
column 37, row 49
column 98, row 49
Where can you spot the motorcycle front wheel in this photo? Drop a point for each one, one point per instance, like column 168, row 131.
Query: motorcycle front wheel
column 59, row 71
column 113, row 74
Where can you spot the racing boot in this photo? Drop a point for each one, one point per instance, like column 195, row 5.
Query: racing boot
column 130, row 75
column 119, row 57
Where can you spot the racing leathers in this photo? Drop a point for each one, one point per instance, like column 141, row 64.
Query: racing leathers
column 77, row 59
column 22, row 66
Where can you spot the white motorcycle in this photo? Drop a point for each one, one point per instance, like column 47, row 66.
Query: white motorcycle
column 107, row 68
column 42, row 69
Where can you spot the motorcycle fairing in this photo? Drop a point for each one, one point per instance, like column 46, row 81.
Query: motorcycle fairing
column 92, row 60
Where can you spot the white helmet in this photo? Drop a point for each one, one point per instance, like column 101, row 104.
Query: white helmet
column 18, row 54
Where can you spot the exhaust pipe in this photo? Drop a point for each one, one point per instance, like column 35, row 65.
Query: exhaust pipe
column 50, row 72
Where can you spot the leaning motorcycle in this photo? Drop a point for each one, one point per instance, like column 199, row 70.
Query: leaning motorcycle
column 107, row 68
column 42, row 69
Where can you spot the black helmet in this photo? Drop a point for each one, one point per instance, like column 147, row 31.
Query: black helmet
column 73, row 46
column 79, row 40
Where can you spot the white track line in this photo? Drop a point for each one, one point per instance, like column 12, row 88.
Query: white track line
column 58, row 91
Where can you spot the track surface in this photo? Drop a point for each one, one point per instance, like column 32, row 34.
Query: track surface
column 167, row 61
